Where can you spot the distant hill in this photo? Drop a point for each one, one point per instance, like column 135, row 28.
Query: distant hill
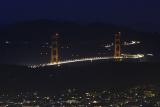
column 39, row 30
column 146, row 26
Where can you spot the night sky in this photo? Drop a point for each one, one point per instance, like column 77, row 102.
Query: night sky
column 114, row 11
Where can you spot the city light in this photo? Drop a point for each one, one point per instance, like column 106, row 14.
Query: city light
column 150, row 54
column 131, row 43
column 108, row 45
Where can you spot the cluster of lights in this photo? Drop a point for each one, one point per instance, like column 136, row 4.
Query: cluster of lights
column 136, row 56
column 125, row 44
column 108, row 45
column 132, row 97
column 131, row 43
column 150, row 54
column 45, row 53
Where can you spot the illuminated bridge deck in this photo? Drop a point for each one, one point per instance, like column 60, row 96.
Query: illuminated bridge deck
column 137, row 56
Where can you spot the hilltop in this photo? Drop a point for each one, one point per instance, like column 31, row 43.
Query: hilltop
column 39, row 30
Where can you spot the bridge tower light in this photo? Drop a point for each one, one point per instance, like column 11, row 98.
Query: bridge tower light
column 117, row 45
column 54, row 49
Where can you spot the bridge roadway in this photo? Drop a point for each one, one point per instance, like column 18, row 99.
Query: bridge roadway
column 137, row 56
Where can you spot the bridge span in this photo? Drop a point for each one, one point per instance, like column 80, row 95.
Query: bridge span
column 123, row 56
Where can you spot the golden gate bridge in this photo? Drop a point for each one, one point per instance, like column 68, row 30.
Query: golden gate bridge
column 117, row 54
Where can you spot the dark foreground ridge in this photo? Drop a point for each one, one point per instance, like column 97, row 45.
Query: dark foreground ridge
column 86, row 75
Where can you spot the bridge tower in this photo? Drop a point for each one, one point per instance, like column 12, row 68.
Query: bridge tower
column 117, row 45
column 54, row 49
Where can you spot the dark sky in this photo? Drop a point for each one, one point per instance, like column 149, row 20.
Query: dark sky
column 113, row 11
